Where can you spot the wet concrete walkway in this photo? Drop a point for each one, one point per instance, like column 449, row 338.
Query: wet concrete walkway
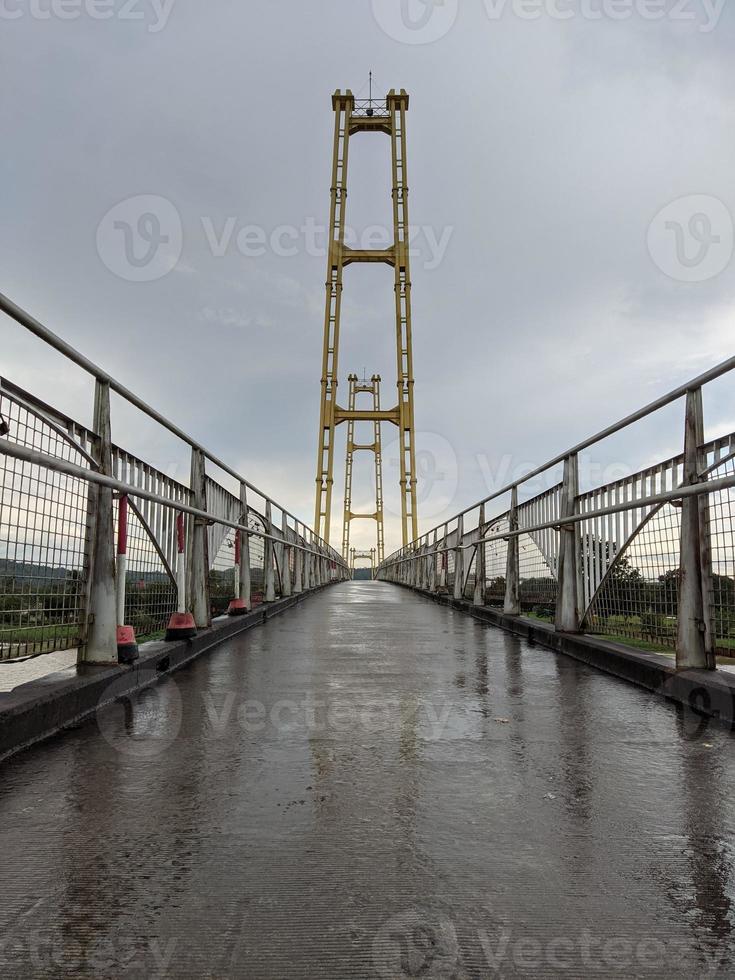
column 373, row 786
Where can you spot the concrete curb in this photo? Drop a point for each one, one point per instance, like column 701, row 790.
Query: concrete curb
column 708, row 693
column 40, row 709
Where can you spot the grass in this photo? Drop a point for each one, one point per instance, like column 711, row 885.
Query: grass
column 39, row 634
column 636, row 644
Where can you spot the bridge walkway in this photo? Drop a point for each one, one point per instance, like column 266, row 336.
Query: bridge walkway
column 372, row 785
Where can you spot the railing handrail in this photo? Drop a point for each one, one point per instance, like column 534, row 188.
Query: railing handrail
column 679, row 392
column 68, row 468
column 41, row 331
column 642, row 503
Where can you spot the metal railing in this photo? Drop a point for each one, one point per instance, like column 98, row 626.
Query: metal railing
column 68, row 493
column 648, row 560
column 371, row 107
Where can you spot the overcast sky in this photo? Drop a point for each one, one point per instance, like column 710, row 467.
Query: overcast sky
column 552, row 291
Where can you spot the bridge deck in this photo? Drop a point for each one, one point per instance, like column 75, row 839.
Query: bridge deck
column 372, row 785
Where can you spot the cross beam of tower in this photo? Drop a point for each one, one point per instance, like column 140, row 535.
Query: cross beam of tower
column 350, row 117
column 355, row 555
column 371, row 388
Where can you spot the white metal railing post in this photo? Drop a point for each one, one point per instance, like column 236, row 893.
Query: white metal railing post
column 100, row 640
column 298, row 585
column 512, row 603
column 695, row 643
column 198, row 571
column 311, row 563
column 433, row 577
column 444, row 572
column 287, row 587
column 246, row 582
column 567, row 605
column 269, row 574
column 479, row 596
column 459, row 560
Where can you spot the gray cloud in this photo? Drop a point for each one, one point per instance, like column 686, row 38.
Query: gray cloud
column 546, row 147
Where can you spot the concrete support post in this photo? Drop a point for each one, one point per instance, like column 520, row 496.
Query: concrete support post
column 312, row 563
column 269, row 573
column 512, row 604
column 198, row 571
column 567, row 603
column 246, row 588
column 433, row 577
column 480, row 584
column 286, row 570
column 298, row 585
column 100, row 645
column 444, row 560
column 459, row 561
column 695, row 642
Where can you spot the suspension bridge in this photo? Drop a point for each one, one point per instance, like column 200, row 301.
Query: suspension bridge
column 506, row 751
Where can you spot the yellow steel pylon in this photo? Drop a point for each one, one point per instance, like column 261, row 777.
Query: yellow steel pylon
column 357, row 387
column 371, row 116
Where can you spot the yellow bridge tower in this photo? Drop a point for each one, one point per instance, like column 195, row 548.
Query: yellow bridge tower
column 372, row 388
column 370, row 116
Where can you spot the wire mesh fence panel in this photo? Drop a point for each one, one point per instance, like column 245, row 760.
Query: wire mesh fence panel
column 604, row 537
column 537, row 583
column 538, row 554
column 540, row 510
column 720, row 520
column 43, row 532
column 470, row 573
column 221, row 545
column 158, row 520
column 150, row 588
column 257, row 556
column 638, row 598
column 450, row 554
column 222, row 573
column 496, row 563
